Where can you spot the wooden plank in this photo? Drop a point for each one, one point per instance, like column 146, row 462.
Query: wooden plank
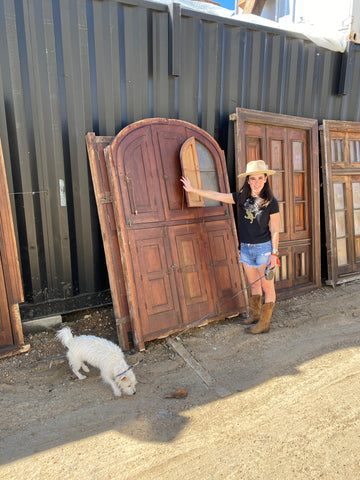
column 95, row 146
column 198, row 369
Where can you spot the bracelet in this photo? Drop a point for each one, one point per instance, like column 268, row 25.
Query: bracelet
column 275, row 251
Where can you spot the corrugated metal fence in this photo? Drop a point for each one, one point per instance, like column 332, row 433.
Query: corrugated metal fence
column 69, row 67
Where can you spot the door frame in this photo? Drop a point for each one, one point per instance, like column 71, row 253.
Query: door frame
column 243, row 116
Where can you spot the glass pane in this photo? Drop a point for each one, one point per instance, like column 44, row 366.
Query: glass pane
column 357, row 246
column 209, row 179
column 205, row 159
column 340, row 224
column 339, row 200
column 354, row 146
column 357, row 222
column 356, row 195
column 297, row 151
column 337, row 150
column 342, row 251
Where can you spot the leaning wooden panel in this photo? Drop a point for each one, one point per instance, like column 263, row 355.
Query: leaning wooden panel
column 11, row 291
column 340, row 146
column 95, row 146
column 289, row 145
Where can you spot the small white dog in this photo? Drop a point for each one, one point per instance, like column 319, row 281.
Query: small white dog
column 102, row 354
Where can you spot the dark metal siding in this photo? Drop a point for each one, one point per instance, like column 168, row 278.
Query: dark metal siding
column 69, row 67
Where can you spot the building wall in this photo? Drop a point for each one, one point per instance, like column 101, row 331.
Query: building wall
column 70, row 67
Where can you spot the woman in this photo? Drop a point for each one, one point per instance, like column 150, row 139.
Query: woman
column 258, row 225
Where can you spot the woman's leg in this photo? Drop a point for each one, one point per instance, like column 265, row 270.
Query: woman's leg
column 268, row 287
column 253, row 274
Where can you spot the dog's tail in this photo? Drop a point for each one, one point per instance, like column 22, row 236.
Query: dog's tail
column 65, row 336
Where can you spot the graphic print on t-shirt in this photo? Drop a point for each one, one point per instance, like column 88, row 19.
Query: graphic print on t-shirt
column 251, row 209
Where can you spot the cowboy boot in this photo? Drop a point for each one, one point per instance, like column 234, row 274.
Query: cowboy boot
column 263, row 324
column 255, row 309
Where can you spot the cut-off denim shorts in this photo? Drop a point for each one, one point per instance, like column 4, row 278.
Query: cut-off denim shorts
column 255, row 254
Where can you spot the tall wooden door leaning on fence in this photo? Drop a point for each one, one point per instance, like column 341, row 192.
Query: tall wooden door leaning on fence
column 179, row 262
column 11, row 292
column 288, row 145
column 341, row 181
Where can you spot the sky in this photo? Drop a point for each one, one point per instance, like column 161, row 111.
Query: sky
column 229, row 4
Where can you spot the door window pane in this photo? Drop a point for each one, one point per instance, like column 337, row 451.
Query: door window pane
column 340, row 222
column 342, row 251
column 337, row 150
column 357, row 222
column 354, row 147
column 356, row 195
column 339, row 196
column 298, row 157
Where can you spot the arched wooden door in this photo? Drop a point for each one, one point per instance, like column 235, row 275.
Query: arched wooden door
column 180, row 263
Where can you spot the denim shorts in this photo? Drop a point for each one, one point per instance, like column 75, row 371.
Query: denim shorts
column 255, row 254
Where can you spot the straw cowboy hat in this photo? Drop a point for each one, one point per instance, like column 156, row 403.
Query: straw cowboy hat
column 255, row 167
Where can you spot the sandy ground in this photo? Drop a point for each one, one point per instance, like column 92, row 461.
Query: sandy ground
column 292, row 412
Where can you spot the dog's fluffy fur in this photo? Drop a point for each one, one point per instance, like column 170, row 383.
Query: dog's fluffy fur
column 100, row 353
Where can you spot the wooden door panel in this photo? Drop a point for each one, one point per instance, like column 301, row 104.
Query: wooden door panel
column 154, row 275
column 169, row 137
column 355, row 191
column 169, row 141
column 341, row 178
column 299, row 186
column 131, row 160
column 341, row 216
column 284, row 273
column 193, row 277
column 222, row 261
column 255, row 142
column 302, row 265
column 276, row 139
column 289, row 146
column 105, row 208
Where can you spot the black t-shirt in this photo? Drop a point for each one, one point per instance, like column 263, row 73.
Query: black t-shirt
column 253, row 222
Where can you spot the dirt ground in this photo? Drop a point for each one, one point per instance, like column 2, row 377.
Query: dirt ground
column 292, row 412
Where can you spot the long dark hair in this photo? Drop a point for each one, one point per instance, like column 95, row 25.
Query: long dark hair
column 266, row 194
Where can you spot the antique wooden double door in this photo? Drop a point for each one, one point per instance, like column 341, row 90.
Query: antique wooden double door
column 180, row 263
column 288, row 145
column 341, row 180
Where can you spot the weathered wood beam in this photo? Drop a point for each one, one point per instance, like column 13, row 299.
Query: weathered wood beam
column 252, row 6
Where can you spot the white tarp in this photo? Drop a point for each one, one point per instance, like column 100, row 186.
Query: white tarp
column 322, row 31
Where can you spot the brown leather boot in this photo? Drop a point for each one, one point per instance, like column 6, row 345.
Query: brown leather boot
column 255, row 309
column 263, row 324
